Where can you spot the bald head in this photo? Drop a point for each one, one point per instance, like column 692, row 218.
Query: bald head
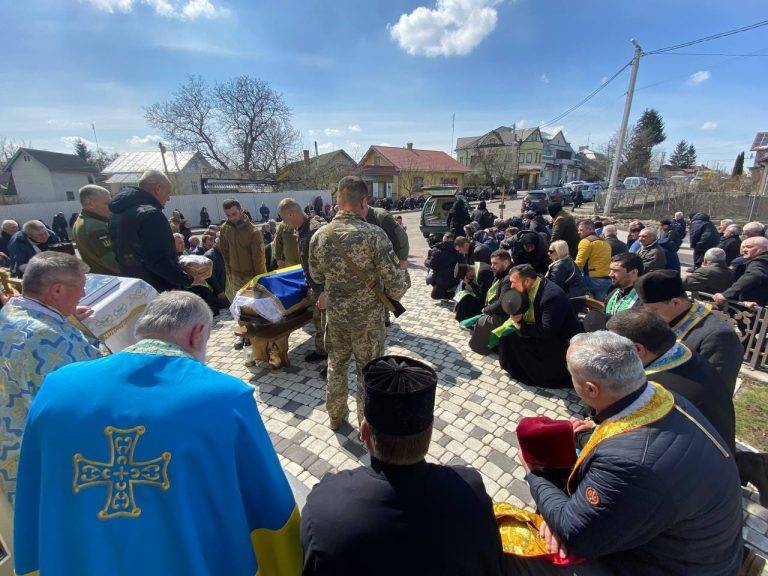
column 157, row 184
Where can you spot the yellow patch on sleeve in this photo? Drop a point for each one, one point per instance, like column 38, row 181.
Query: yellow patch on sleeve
column 278, row 552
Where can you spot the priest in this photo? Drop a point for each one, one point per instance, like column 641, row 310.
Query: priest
column 149, row 462
column 476, row 280
column 401, row 515
column 534, row 352
column 674, row 366
column 693, row 323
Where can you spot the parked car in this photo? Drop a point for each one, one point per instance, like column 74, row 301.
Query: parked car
column 434, row 214
column 573, row 183
column 589, row 191
column 536, row 200
column 632, row 182
column 559, row 194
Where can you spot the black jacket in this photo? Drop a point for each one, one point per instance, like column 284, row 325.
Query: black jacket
column 143, row 242
column 538, row 257
column 703, row 387
column 617, row 246
column 4, row 239
column 674, row 236
column 483, row 218
column 218, row 279
column 732, row 247
column 753, row 284
column 478, row 252
column 565, row 274
column 538, row 224
column 493, row 308
column 553, row 314
column 458, row 217
column 640, row 503
column 442, row 259
column 21, row 249
column 564, row 228
column 703, row 234
column 419, row 520
column 718, row 344
column 711, row 279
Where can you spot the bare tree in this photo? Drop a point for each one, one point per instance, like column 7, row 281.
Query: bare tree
column 278, row 144
column 495, row 166
column 8, row 148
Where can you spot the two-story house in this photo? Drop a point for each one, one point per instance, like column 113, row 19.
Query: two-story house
column 34, row 176
column 560, row 163
column 503, row 156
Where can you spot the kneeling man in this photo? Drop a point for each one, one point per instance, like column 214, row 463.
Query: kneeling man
column 654, row 490
column 400, row 516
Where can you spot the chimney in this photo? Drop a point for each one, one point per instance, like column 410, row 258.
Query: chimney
column 316, row 154
column 409, row 145
column 306, row 156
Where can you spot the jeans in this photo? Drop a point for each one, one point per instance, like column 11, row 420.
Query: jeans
column 598, row 287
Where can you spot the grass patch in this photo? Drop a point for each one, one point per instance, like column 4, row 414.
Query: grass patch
column 751, row 403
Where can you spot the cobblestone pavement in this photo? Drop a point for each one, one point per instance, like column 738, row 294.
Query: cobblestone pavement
column 476, row 411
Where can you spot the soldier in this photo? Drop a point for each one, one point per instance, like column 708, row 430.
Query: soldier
column 305, row 227
column 285, row 249
column 242, row 245
column 352, row 258
column 90, row 231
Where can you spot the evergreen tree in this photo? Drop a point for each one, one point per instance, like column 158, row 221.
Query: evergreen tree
column 738, row 166
column 690, row 157
column 647, row 133
column 678, row 157
column 81, row 149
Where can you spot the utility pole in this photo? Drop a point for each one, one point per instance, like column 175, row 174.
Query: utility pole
column 623, row 129
column 453, row 130
column 96, row 139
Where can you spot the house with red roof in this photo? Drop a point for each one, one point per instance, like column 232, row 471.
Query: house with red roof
column 393, row 172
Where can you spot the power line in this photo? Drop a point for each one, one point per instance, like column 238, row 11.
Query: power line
column 752, row 54
column 587, row 98
column 709, row 38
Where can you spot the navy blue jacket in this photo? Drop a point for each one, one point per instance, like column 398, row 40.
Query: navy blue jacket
column 703, row 233
column 659, row 500
column 20, row 249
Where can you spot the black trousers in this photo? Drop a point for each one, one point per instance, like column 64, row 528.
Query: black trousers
column 468, row 307
column 534, row 361
column 442, row 292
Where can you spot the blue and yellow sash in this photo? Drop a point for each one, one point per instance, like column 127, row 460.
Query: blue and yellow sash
column 694, row 316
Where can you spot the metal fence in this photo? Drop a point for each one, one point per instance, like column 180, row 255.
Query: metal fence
column 737, row 200
column 750, row 323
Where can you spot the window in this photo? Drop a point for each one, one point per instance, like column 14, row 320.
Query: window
column 521, row 158
column 529, row 157
column 538, row 157
column 70, row 195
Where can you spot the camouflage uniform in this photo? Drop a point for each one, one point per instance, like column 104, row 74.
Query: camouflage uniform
column 303, row 236
column 355, row 316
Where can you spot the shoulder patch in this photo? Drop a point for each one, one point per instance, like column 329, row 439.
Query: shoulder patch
column 592, row 496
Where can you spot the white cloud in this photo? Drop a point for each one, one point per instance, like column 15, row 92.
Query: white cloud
column 312, row 132
column 72, row 140
column 354, row 128
column 144, row 140
column 544, row 78
column 179, row 9
column 66, row 123
column 384, row 144
column 326, row 147
column 521, row 124
column 709, row 125
column 452, row 27
column 331, row 132
column 698, row 77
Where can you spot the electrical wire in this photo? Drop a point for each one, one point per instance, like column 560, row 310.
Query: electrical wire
column 587, row 98
column 710, row 54
column 709, row 38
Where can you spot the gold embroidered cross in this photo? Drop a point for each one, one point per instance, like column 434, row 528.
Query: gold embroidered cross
column 121, row 473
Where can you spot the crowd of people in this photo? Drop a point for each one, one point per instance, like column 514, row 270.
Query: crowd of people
column 193, row 482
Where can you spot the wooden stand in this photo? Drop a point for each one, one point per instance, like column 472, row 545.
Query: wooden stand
column 269, row 342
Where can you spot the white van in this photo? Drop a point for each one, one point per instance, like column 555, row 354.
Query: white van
column 634, row 182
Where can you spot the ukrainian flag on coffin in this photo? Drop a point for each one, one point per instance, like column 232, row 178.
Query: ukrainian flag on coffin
column 288, row 285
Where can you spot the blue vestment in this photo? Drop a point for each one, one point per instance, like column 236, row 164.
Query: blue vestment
column 34, row 341
column 148, row 462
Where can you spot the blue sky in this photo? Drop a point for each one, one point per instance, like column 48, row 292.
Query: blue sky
column 358, row 72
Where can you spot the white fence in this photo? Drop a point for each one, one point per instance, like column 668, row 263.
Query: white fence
column 188, row 204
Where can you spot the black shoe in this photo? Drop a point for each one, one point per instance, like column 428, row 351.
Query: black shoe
column 315, row 356
column 239, row 344
column 324, row 372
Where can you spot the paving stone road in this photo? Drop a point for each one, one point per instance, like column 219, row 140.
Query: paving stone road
column 476, row 412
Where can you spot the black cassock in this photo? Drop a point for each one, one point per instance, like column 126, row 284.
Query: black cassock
column 472, row 304
column 420, row 520
column 536, row 354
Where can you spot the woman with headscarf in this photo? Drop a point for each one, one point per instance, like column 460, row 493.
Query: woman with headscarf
column 458, row 216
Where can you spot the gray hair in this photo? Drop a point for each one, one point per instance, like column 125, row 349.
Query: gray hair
column 610, row 230
column 607, row 359
column 153, row 177
column 33, row 226
column 651, row 230
column 754, row 229
column 172, row 313
column 725, row 222
column 715, row 256
column 7, row 223
column 90, row 191
column 47, row 268
column 734, row 229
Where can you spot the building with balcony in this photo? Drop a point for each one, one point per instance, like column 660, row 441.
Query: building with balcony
column 560, row 163
column 401, row 172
